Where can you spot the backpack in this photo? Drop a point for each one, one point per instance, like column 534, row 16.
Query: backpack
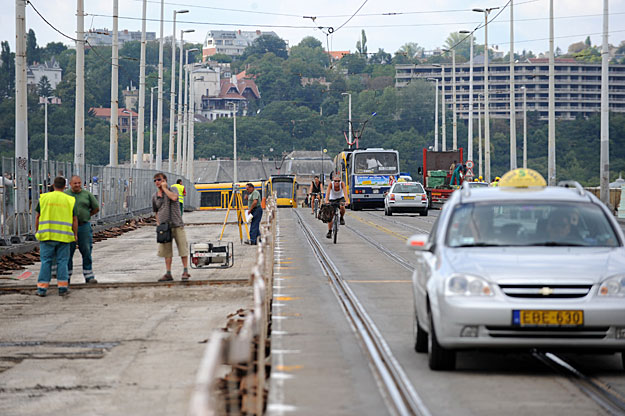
column 326, row 213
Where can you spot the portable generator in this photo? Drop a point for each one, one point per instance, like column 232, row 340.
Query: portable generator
column 209, row 255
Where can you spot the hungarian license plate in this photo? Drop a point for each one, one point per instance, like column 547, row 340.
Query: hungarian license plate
column 376, row 191
column 547, row 318
column 408, row 197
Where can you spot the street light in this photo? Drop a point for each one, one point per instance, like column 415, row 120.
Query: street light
column 172, row 94
column 349, row 116
column 513, row 161
column 443, row 121
column 435, row 114
column 524, row 127
column 470, row 122
column 129, row 112
column 234, row 138
column 185, row 112
column 180, row 129
column 323, row 152
column 151, row 124
column 454, row 122
column 486, row 107
column 479, row 133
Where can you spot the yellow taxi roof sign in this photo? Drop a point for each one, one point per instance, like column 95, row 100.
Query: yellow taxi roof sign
column 522, row 178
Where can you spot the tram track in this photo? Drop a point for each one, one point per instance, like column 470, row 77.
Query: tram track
column 598, row 391
column 397, row 389
column 400, row 223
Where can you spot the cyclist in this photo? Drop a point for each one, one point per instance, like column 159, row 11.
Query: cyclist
column 315, row 193
column 335, row 196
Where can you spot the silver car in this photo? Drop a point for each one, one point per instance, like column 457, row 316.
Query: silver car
column 517, row 268
column 406, row 197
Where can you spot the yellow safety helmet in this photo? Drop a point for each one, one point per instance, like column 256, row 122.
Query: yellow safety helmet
column 497, row 178
column 476, row 180
column 522, row 178
column 481, row 178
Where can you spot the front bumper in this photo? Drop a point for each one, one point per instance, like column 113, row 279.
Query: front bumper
column 493, row 319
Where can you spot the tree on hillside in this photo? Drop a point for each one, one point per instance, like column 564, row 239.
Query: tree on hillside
column 44, row 89
column 381, row 57
column 7, row 71
column 221, row 57
column 310, row 42
column 588, row 42
column 32, row 50
column 361, row 45
column 461, row 43
column 354, row 63
column 576, row 47
column 410, row 50
column 264, row 44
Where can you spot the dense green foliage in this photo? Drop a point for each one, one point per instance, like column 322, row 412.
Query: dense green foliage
column 303, row 106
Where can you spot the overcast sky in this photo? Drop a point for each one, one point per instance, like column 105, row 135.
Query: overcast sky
column 575, row 19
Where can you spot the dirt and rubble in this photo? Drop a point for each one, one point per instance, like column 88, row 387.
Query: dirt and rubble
column 117, row 350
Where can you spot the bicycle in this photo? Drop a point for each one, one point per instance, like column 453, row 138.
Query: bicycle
column 315, row 205
column 335, row 223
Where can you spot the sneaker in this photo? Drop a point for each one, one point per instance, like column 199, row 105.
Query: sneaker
column 91, row 281
column 63, row 292
column 329, row 234
column 41, row 293
column 166, row 278
column 185, row 276
column 248, row 242
column 342, row 221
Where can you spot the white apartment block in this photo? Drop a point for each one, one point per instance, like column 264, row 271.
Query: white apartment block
column 104, row 37
column 50, row 69
column 230, row 42
column 577, row 86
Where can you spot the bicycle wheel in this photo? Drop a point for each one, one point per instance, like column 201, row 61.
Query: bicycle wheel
column 335, row 227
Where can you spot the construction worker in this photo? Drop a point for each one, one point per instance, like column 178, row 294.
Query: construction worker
column 181, row 194
column 57, row 226
column 495, row 183
column 86, row 207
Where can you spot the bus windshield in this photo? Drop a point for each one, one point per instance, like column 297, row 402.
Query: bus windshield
column 380, row 163
column 283, row 189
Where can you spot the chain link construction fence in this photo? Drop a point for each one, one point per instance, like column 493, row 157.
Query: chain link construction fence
column 123, row 192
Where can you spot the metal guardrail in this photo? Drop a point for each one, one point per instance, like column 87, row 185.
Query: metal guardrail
column 122, row 192
column 234, row 349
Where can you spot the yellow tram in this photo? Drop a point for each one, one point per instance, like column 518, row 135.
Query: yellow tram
column 285, row 187
column 217, row 195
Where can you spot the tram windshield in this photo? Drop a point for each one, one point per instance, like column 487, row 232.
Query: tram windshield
column 283, row 189
column 378, row 163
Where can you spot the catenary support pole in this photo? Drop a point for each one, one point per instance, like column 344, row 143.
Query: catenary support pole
column 141, row 120
column 151, row 127
column 524, row 127
column 185, row 133
column 551, row 139
column 159, row 106
column 479, row 138
column 486, row 106
column 45, row 129
column 443, row 117
column 454, row 120
column 114, row 133
column 604, row 181
column 180, row 129
column 79, row 111
column 470, row 122
column 435, row 118
column 191, row 129
column 513, row 161
column 234, row 125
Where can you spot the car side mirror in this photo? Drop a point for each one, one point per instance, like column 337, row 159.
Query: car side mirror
column 418, row 242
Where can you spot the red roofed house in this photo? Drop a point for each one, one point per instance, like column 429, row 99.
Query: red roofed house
column 122, row 116
column 337, row 55
column 217, row 93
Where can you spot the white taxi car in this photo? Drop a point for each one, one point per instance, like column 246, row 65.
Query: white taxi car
column 406, row 197
column 522, row 265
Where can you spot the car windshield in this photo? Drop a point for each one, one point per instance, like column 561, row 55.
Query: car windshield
column 408, row 188
column 530, row 224
column 283, row 189
column 383, row 163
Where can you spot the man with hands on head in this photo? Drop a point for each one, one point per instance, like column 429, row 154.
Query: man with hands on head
column 167, row 208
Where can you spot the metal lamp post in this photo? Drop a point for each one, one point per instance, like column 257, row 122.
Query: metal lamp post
column 435, row 114
column 443, row 121
column 349, row 114
column 486, row 12
column 479, row 135
column 180, row 129
column 151, row 125
column 470, row 118
column 551, row 138
column 513, row 161
column 129, row 112
column 185, row 137
column 172, row 94
column 454, row 122
column 524, row 127
column 604, row 157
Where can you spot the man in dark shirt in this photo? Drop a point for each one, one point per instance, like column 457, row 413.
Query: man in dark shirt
column 166, row 206
column 86, row 207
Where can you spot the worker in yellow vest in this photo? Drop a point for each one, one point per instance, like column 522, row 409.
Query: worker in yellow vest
column 57, row 227
column 181, row 194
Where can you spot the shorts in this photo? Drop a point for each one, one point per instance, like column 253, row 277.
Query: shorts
column 338, row 202
column 166, row 249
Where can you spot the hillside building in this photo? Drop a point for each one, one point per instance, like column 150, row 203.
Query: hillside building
column 104, row 37
column 229, row 42
column 50, row 69
column 577, row 86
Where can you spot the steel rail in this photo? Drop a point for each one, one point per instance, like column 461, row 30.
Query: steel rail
column 611, row 401
column 401, row 261
column 402, row 224
column 398, row 391
column 123, row 285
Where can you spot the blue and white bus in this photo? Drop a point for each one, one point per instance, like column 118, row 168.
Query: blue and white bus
column 368, row 174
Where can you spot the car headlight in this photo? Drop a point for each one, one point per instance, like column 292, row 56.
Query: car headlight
column 614, row 286
column 467, row 285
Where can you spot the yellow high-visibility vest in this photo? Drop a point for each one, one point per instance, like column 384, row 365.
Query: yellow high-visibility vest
column 180, row 189
column 56, row 217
